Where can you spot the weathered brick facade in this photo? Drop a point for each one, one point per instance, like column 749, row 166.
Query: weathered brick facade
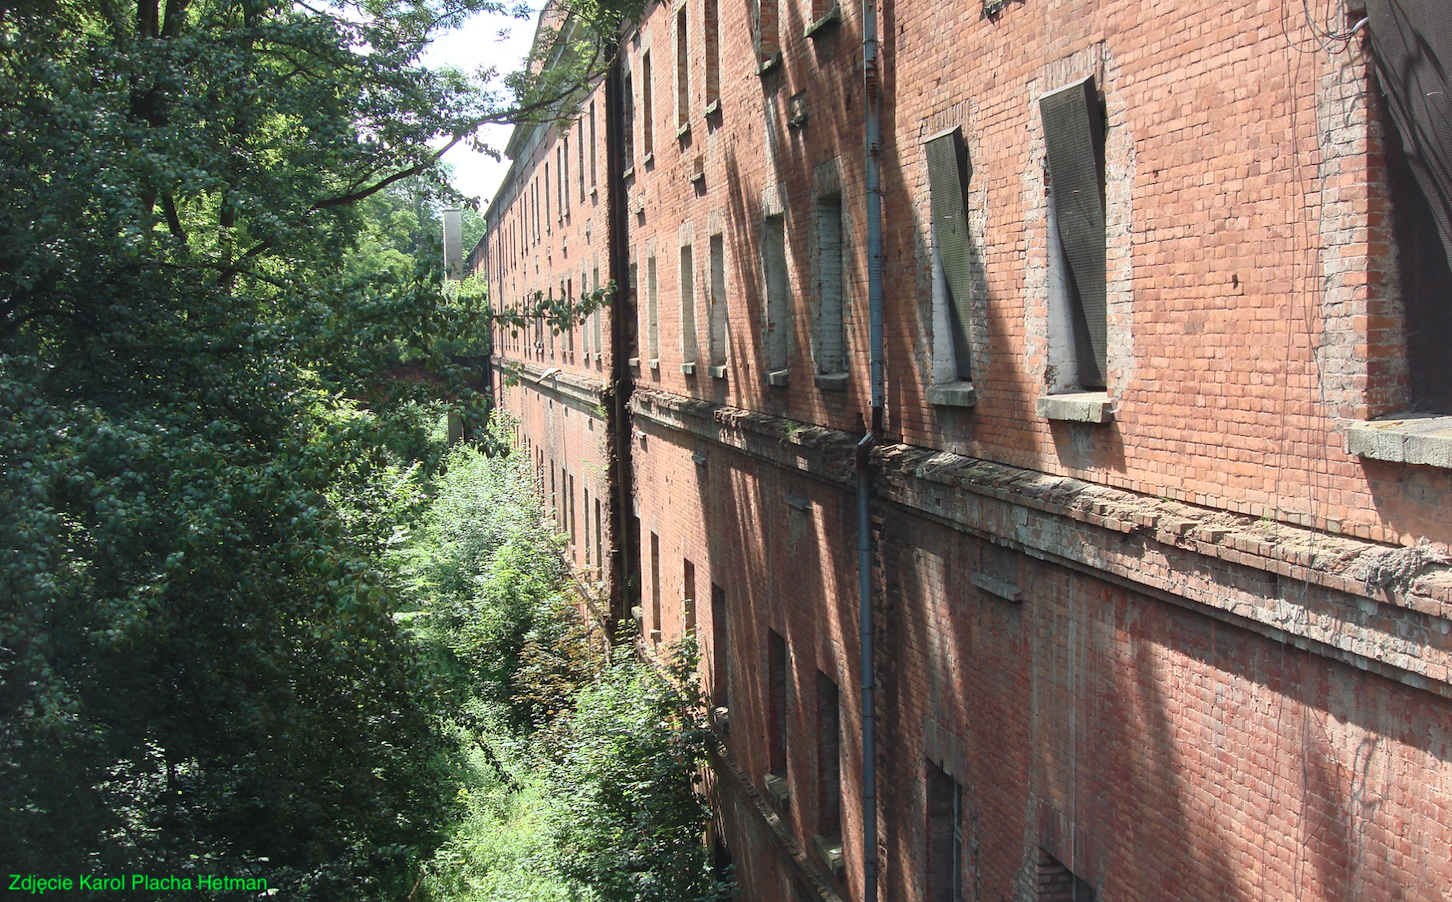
column 1183, row 635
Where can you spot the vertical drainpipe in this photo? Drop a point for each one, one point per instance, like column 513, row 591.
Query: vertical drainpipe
column 624, row 584
column 870, row 80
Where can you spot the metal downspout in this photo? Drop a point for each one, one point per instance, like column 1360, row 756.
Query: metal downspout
column 870, row 79
column 622, row 384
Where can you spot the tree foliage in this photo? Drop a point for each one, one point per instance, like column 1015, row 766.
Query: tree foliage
column 200, row 425
column 582, row 766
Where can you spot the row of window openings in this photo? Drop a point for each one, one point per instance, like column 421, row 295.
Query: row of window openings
column 562, row 498
column 1074, row 131
column 828, row 328
column 537, row 340
column 768, row 48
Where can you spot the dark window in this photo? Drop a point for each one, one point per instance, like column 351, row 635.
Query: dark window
column 945, row 841
column 655, row 586
column 1074, row 143
column 688, row 591
column 948, row 175
column 1412, row 44
column 720, row 650
column 776, row 666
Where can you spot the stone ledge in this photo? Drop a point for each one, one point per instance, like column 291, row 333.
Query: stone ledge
column 952, row 394
column 1375, row 606
column 778, row 378
column 1410, row 439
column 832, row 381
column 1006, row 591
column 1076, row 407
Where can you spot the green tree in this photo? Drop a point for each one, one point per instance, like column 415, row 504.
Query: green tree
column 200, row 667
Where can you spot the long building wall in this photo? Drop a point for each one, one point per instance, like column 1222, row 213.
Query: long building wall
column 1175, row 623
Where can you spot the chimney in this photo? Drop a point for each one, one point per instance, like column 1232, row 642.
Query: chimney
column 453, row 245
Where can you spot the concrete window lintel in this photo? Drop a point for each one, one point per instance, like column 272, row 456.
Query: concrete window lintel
column 1076, row 407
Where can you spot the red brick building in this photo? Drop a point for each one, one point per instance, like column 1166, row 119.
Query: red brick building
column 1157, row 488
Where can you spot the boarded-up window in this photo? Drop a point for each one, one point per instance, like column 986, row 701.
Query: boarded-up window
column 647, row 124
column 717, row 314
column 1073, row 120
column 945, row 840
column 652, row 311
column 683, row 69
column 689, row 348
column 948, row 173
column 712, row 18
column 1412, row 43
column 827, row 332
column 627, row 114
column 778, row 294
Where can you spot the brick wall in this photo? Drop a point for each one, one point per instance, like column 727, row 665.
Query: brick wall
column 1191, row 652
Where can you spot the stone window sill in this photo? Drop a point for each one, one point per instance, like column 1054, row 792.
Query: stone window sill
column 713, row 107
column 654, row 364
column 717, row 372
column 829, row 849
column 778, row 378
column 1006, row 591
column 1424, row 439
column 776, row 787
column 768, row 64
column 1077, row 407
column 832, row 381
column 685, row 129
column 633, row 363
column 688, row 368
column 648, row 158
column 830, row 17
column 629, row 171
column 952, row 394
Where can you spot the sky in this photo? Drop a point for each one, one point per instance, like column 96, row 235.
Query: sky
column 478, row 44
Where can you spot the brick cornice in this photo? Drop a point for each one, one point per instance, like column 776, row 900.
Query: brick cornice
column 1377, row 607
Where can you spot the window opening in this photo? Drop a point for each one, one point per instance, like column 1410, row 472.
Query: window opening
column 720, row 649
column 776, row 653
column 829, row 338
column 689, row 348
column 716, row 315
column 688, row 592
column 945, row 841
column 778, row 295
column 948, row 174
column 712, row 17
column 1074, row 132
column 683, row 70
